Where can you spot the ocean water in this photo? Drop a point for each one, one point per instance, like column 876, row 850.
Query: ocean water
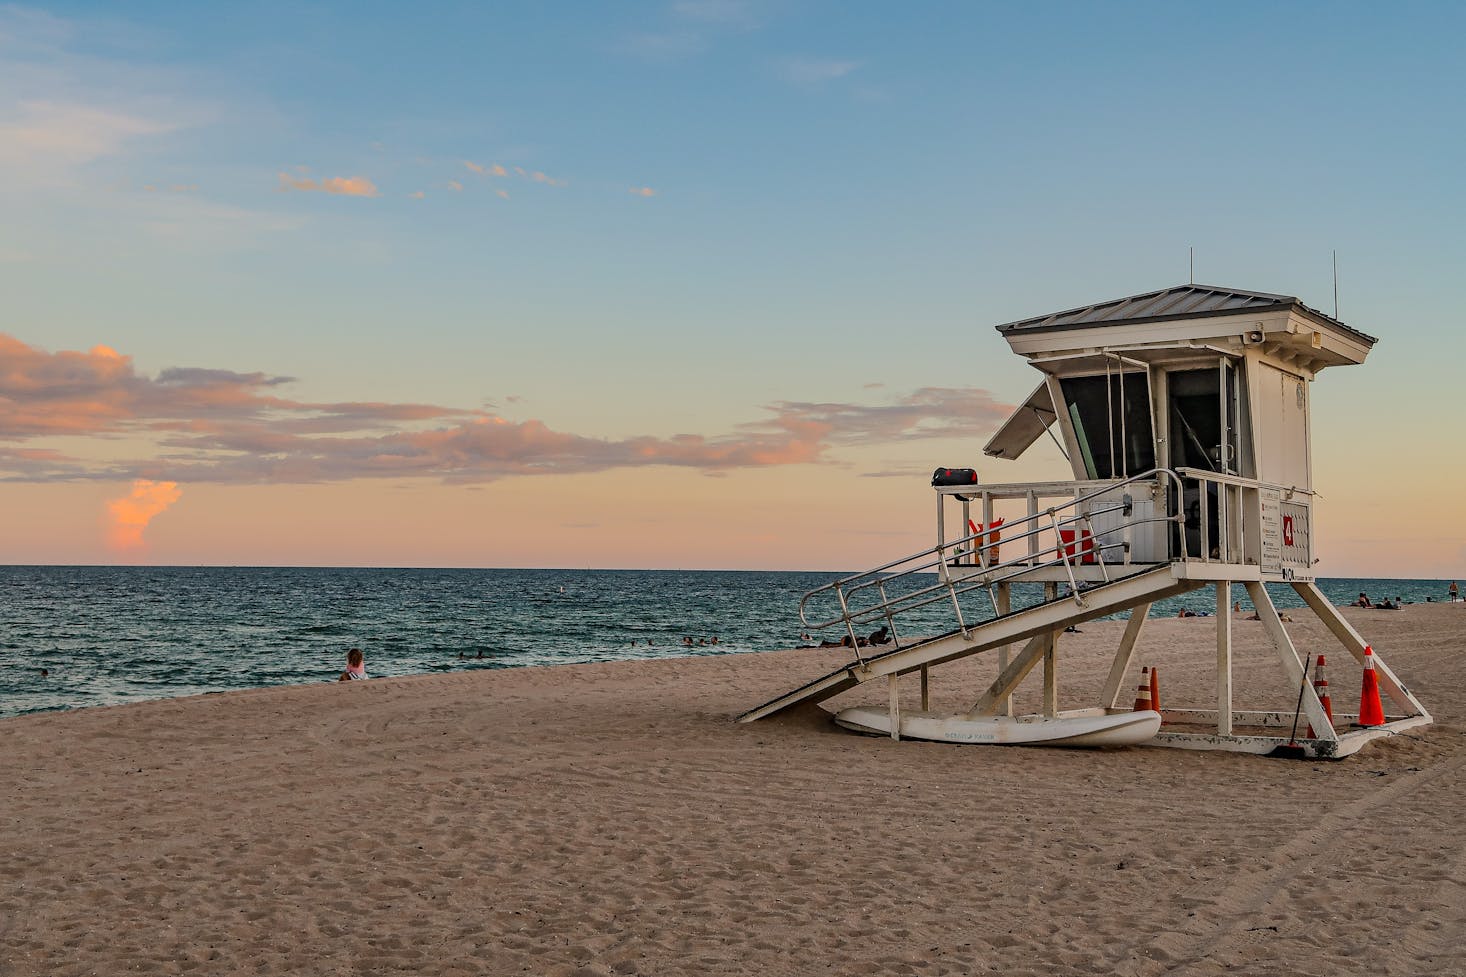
column 108, row 635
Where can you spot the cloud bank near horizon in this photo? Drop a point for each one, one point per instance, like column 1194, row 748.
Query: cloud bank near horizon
column 219, row 425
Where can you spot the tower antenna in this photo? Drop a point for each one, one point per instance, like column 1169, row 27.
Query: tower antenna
column 1193, row 264
column 1336, row 283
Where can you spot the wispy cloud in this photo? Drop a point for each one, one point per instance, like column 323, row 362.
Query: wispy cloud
column 473, row 167
column 813, row 72
column 642, row 191
column 346, row 186
column 214, row 425
column 68, row 133
column 455, row 186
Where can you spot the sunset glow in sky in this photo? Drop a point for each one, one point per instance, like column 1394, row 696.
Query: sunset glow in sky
column 701, row 283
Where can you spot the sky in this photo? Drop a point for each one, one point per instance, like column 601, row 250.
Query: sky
column 691, row 284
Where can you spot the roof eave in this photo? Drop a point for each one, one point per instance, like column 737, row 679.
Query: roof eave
column 1292, row 305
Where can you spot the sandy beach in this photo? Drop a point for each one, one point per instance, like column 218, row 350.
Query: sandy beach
column 612, row 819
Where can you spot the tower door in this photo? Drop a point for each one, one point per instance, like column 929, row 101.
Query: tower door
column 1206, row 426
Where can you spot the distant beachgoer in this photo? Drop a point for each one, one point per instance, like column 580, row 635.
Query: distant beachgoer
column 480, row 653
column 45, row 673
column 1387, row 605
column 1429, row 599
column 649, row 642
column 702, row 641
column 1236, row 607
column 355, row 666
column 1454, row 591
column 715, row 640
column 1071, row 629
column 687, row 640
column 462, row 656
column 1363, row 600
column 880, row 635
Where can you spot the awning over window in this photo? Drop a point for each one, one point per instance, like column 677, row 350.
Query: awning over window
column 1026, row 426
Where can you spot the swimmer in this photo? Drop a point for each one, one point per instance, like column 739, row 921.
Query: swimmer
column 355, row 666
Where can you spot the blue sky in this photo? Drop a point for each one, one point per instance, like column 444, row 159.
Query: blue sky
column 737, row 203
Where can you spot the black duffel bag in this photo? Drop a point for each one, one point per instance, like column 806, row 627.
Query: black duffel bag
column 954, row 476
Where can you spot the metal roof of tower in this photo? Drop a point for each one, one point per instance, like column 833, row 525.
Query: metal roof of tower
column 1177, row 302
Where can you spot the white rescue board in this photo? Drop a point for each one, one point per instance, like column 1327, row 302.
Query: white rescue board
column 1115, row 729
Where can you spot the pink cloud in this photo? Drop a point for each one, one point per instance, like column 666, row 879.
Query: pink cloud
column 643, row 191
column 213, row 425
column 347, row 186
column 130, row 515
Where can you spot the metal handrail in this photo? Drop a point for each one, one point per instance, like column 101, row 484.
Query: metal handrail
column 949, row 588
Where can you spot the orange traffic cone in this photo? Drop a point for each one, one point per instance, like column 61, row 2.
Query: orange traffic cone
column 1371, row 710
column 1142, row 692
column 1321, row 686
column 1155, row 688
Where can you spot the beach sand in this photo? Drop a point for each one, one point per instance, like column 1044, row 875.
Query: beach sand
column 612, row 819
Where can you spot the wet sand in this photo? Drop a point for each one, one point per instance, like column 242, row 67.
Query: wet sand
column 612, row 819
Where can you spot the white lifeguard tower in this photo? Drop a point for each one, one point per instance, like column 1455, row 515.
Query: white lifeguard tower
column 1184, row 414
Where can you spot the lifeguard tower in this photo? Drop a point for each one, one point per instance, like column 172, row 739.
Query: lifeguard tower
column 1184, row 414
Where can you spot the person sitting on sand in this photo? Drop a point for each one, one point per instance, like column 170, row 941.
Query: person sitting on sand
column 1363, row 601
column 355, row 666
column 879, row 636
column 1387, row 605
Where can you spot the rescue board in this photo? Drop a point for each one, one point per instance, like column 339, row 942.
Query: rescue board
column 1115, row 729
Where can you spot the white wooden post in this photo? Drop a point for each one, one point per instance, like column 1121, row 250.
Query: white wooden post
column 1005, row 683
column 1288, row 656
column 1354, row 644
column 1051, row 659
column 1004, row 599
column 1224, row 657
column 895, row 685
column 1110, row 695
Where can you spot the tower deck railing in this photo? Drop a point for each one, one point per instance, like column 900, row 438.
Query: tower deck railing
column 867, row 597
